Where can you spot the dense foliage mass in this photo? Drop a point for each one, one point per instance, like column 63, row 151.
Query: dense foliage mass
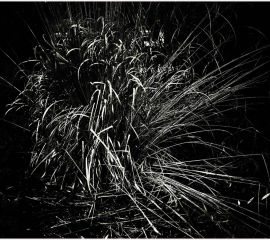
column 127, row 105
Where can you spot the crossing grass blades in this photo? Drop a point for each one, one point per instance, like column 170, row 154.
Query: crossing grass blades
column 127, row 107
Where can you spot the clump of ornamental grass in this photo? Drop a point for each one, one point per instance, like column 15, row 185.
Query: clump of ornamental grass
column 128, row 111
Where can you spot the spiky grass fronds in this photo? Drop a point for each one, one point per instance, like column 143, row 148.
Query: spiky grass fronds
column 123, row 108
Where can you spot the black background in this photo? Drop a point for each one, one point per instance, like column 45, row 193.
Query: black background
column 17, row 42
column 21, row 28
column 16, row 37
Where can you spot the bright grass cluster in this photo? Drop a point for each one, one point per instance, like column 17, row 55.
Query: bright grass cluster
column 129, row 114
